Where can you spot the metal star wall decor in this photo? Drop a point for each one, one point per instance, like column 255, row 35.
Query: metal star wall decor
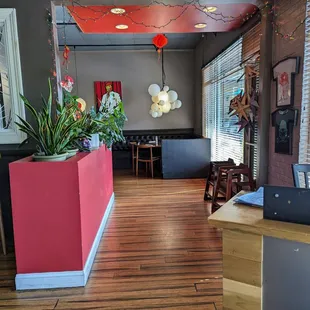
column 239, row 107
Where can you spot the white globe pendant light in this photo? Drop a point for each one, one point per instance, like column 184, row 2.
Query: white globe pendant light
column 178, row 104
column 155, row 99
column 173, row 106
column 154, row 90
column 172, row 96
column 163, row 96
column 161, row 103
column 160, row 114
column 154, row 114
column 155, row 107
column 167, row 107
column 166, row 88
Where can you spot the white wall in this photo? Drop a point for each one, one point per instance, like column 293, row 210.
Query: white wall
column 137, row 70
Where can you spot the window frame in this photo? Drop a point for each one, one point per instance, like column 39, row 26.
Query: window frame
column 10, row 33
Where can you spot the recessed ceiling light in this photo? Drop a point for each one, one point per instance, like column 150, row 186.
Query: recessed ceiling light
column 201, row 25
column 210, row 9
column 118, row 11
column 121, row 27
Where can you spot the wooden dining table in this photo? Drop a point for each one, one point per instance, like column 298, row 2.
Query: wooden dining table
column 134, row 145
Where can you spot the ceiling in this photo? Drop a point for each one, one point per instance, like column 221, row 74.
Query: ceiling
column 102, row 34
column 150, row 19
column 68, row 28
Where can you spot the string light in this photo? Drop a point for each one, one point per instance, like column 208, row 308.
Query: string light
column 101, row 13
column 216, row 16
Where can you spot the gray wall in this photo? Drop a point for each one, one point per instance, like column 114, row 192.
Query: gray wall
column 209, row 47
column 36, row 56
column 137, row 70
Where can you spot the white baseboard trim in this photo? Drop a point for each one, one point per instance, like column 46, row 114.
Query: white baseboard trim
column 46, row 280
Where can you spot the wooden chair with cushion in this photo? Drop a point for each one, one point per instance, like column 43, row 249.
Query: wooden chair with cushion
column 301, row 173
column 145, row 155
column 2, row 236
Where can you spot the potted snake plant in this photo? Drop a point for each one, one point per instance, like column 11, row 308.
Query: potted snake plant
column 53, row 135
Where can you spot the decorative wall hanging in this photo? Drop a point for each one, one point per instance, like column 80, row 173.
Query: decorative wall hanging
column 284, row 121
column 245, row 105
column 108, row 95
column 67, row 83
column 160, row 41
column 164, row 100
column 284, row 74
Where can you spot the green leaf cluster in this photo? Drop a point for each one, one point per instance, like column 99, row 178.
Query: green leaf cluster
column 53, row 135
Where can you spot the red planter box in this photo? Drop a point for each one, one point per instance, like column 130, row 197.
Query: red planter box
column 59, row 213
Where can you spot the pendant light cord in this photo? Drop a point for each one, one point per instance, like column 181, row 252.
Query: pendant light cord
column 163, row 69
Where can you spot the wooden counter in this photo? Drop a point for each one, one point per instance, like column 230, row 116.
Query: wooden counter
column 243, row 231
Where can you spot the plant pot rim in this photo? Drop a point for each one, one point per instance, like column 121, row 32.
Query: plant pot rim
column 52, row 156
column 73, row 150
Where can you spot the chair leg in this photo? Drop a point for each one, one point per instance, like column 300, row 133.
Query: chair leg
column 216, row 188
column 137, row 167
column 207, row 188
column 2, row 235
column 152, row 168
column 133, row 165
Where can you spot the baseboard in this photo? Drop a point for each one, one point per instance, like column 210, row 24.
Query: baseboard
column 94, row 248
column 48, row 280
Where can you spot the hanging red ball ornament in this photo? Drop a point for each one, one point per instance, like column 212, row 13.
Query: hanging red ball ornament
column 160, row 41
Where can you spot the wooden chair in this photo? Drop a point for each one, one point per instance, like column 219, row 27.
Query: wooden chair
column 230, row 180
column 301, row 175
column 144, row 158
column 133, row 155
column 2, row 235
column 213, row 173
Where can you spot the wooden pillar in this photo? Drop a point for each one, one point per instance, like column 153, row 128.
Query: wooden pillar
column 265, row 95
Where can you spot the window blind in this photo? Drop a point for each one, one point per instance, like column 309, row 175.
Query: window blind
column 250, row 54
column 222, row 81
column 251, row 44
column 304, row 145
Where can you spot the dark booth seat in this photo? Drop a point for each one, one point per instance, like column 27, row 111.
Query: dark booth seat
column 184, row 154
column 186, row 158
column 122, row 150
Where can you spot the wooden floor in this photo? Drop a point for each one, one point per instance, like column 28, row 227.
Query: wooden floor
column 157, row 252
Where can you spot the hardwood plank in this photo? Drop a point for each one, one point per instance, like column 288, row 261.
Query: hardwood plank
column 242, row 270
column 157, row 252
column 243, row 245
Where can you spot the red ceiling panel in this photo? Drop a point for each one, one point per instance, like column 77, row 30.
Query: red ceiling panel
column 158, row 15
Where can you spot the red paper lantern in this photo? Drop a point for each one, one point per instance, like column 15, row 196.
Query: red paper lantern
column 160, row 41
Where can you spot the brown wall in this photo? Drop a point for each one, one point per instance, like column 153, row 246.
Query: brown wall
column 290, row 13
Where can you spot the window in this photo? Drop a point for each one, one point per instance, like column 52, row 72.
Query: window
column 223, row 79
column 10, row 79
column 304, row 145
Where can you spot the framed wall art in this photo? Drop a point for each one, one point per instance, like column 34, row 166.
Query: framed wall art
column 107, row 95
column 284, row 73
